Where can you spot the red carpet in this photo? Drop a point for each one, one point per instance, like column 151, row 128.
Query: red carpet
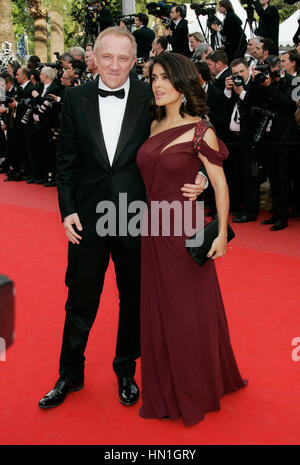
column 260, row 280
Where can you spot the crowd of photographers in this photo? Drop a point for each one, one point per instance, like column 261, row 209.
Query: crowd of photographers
column 251, row 91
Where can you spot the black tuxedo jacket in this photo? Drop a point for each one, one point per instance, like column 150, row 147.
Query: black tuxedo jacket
column 144, row 38
column 22, row 107
column 180, row 38
column 48, row 119
column 218, row 111
column 248, row 121
column 234, row 38
column 220, row 82
column 84, row 174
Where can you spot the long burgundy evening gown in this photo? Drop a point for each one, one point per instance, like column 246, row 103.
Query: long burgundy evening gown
column 187, row 359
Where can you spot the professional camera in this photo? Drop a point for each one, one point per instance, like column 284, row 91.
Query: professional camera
column 238, row 80
column 200, row 9
column 262, row 76
column 209, row 11
column 48, row 102
column 56, row 65
column 160, row 9
column 32, row 108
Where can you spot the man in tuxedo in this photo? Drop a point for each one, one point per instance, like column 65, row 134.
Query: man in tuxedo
column 275, row 93
column 159, row 45
column 103, row 125
column 143, row 35
column 218, row 64
column 104, row 16
column 22, row 132
column 243, row 180
column 252, row 51
column 264, row 49
column 43, row 160
column 180, row 32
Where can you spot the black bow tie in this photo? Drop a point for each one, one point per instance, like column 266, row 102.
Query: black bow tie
column 116, row 93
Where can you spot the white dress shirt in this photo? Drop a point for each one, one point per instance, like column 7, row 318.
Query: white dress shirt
column 45, row 89
column 112, row 111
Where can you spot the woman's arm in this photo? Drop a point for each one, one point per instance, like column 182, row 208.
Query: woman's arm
column 219, row 183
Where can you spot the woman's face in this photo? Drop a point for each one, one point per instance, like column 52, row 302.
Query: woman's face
column 222, row 9
column 163, row 90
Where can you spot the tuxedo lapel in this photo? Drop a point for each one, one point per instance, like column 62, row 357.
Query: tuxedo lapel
column 90, row 103
column 134, row 108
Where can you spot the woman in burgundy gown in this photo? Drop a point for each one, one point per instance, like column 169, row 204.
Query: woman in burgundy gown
column 187, row 359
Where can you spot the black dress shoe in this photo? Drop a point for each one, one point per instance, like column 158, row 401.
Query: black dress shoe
column 30, row 181
column 280, row 224
column 57, row 395
column 271, row 220
column 128, row 391
column 50, row 183
column 243, row 219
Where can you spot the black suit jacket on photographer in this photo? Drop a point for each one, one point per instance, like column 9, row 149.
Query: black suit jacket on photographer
column 277, row 97
column 104, row 19
column 48, row 119
column 144, row 38
column 234, row 38
column 180, row 38
column 22, row 107
column 218, row 110
column 269, row 20
column 248, row 122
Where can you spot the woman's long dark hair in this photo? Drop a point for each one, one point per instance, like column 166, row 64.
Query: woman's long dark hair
column 227, row 4
column 184, row 77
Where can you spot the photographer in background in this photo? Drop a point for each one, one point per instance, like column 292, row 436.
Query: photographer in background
column 264, row 50
column 218, row 65
column 143, row 35
column 269, row 20
column 271, row 89
column 45, row 120
column 233, row 36
column 104, row 17
column 22, row 133
column 179, row 40
column 159, row 45
column 243, row 175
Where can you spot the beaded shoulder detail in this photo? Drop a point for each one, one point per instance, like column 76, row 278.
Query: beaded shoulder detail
column 200, row 130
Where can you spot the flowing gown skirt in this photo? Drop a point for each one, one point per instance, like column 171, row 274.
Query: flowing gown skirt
column 187, row 359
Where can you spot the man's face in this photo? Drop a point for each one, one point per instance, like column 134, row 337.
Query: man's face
column 252, row 47
column 65, row 79
column 193, row 43
column 137, row 22
column 264, row 2
column 20, row 76
column 43, row 77
column 173, row 15
column 287, row 64
column 65, row 63
column 145, row 69
column 212, row 67
column 241, row 70
column 276, row 68
column 260, row 53
column 70, row 70
column 114, row 58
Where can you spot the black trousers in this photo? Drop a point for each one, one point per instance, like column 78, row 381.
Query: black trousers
column 85, row 274
column 277, row 167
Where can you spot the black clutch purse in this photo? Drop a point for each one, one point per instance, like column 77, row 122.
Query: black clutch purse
column 206, row 237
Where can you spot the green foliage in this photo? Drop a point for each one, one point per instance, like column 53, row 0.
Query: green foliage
column 74, row 16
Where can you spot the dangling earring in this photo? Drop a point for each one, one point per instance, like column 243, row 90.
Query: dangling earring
column 184, row 101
